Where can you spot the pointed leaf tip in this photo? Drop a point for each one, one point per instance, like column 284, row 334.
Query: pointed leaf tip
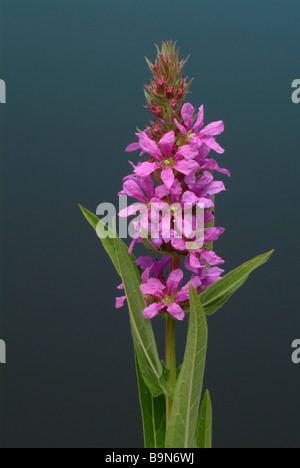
column 218, row 293
column 204, row 427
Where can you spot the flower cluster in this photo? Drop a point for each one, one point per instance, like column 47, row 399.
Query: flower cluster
column 176, row 172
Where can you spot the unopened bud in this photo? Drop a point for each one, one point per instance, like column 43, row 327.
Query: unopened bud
column 160, row 82
column 158, row 111
column 170, row 91
column 156, row 128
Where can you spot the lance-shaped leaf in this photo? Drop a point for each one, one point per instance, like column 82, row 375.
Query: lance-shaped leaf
column 153, row 413
column 204, row 428
column 218, row 293
column 184, row 413
column 142, row 332
column 107, row 242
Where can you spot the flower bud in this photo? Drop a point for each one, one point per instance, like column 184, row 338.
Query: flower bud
column 170, row 91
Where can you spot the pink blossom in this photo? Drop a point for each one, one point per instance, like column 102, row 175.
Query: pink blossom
column 182, row 161
column 199, row 137
column 164, row 297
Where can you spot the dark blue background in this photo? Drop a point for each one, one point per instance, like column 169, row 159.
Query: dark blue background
column 74, row 71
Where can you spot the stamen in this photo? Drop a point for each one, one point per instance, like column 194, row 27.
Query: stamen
column 168, row 163
column 168, row 300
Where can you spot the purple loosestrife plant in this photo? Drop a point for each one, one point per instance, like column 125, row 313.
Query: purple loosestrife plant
column 174, row 188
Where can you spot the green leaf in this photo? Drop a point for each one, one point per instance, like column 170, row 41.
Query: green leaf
column 204, row 428
column 164, row 379
column 184, row 413
column 142, row 332
column 108, row 242
column 219, row 293
column 153, row 413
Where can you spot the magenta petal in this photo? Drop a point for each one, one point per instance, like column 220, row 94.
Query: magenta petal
column 190, row 198
column 146, row 168
column 205, row 180
column 183, row 295
column 131, row 210
column 190, row 181
column 176, row 311
column 149, row 146
column 211, row 142
column 132, row 189
column 187, row 167
column 144, row 262
column 200, row 120
column 211, row 275
column 147, row 184
column 146, row 274
column 211, row 258
column 194, row 261
column 213, row 234
column 154, row 287
column 153, row 309
column 187, row 113
column 186, row 152
column 166, row 143
column 213, row 165
column 131, row 247
column 161, row 191
column 120, row 301
column 174, row 281
column 178, row 244
column 196, row 282
column 204, row 150
column 121, row 286
column 180, row 127
column 133, row 147
column 215, row 187
column 176, row 190
column 215, row 128
column 157, row 242
column 208, row 217
column 167, row 176
column 206, row 202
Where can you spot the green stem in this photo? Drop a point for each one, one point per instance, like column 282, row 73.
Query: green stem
column 171, row 348
column 170, row 359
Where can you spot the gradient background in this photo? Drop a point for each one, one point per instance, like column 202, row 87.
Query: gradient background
column 75, row 71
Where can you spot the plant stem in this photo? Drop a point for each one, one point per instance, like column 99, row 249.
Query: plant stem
column 170, row 359
column 171, row 348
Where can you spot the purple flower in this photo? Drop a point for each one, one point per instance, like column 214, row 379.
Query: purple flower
column 169, row 186
column 208, row 276
column 152, row 267
column 193, row 132
column 120, row 301
column 182, row 161
column 198, row 260
column 143, row 190
column 205, row 187
column 165, row 298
